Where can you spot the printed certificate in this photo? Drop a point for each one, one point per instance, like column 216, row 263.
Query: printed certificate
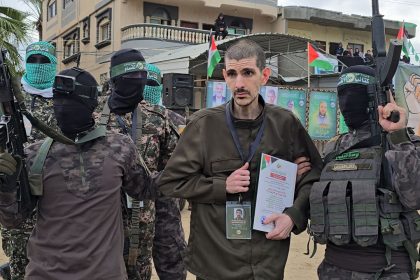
column 276, row 189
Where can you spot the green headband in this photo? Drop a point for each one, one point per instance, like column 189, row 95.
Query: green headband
column 355, row 78
column 36, row 47
column 128, row 67
column 154, row 76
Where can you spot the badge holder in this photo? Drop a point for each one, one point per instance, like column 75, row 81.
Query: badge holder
column 238, row 219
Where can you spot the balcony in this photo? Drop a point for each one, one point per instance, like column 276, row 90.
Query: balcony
column 149, row 31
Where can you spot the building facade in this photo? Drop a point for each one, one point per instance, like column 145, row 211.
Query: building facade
column 86, row 33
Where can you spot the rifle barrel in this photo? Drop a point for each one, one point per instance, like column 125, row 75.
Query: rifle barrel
column 375, row 7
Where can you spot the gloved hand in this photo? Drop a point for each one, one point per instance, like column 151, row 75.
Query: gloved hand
column 7, row 164
column 7, row 172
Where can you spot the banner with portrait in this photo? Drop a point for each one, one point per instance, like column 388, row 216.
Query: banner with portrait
column 217, row 93
column 407, row 91
column 270, row 94
column 322, row 122
column 294, row 100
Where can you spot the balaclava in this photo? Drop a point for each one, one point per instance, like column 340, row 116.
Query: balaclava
column 353, row 96
column 153, row 89
column 126, row 92
column 74, row 110
column 40, row 75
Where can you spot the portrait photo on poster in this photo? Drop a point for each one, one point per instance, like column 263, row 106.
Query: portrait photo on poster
column 217, row 93
column 293, row 100
column 270, row 94
column 322, row 115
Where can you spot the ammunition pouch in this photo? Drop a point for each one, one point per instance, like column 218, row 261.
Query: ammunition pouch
column 338, row 206
column 318, row 226
column 365, row 213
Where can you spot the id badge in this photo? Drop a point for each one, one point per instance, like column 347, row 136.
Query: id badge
column 238, row 220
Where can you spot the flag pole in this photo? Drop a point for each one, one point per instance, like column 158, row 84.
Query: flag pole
column 309, row 70
column 208, row 56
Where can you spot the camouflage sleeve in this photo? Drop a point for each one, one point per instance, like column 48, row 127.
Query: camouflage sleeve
column 303, row 146
column 404, row 157
column 136, row 182
column 10, row 214
column 169, row 143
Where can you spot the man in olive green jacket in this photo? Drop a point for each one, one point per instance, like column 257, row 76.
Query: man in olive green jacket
column 212, row 171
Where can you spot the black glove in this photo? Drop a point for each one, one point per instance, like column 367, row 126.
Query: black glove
column 7, row 172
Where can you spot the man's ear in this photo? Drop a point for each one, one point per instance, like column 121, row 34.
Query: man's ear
column 265, row 75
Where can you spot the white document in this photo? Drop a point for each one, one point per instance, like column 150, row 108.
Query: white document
column 276, row 189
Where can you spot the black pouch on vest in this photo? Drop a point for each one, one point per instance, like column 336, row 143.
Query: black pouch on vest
column 339, row 231
column 365, row 212
column 388, row 202
column 392, row 229
column 411, row 222
column 318, row 202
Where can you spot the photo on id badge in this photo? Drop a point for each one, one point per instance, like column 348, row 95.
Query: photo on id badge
column 238, row 220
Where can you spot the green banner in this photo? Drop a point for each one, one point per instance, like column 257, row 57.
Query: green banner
column 407, row 91
column 295, row 101
column 342, row 127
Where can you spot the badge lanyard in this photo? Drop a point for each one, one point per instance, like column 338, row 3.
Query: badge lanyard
column 254, row 145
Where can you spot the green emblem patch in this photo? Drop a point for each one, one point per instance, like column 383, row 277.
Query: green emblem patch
column 348, row 156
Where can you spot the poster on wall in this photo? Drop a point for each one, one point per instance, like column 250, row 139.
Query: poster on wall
column 294, row 100
column 217, row 93
column 322, row 115
column 407, row 92
column 270, row 94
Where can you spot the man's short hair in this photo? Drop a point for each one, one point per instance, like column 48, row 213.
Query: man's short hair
column 246, row 49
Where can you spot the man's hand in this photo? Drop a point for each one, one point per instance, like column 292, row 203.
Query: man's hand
column 385, row 112
column 304, row 165
column 283, row 225
column 239, row 180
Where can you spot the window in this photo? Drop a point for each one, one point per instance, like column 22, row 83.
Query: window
column 322, row 45
column 103, row 28
column 160, row 16
column 52, row 9
column 237, row 26
column 71, row 46
column 189, row 24
column 355, row 46
column 207, row 26
column 86, row 30
column 66, row 3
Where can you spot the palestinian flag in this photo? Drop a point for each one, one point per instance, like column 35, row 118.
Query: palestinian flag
column 214, row 57
column 317, row 59
column 407, row 47
column 402, row 36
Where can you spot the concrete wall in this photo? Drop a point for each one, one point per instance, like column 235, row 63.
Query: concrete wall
column 331, row 34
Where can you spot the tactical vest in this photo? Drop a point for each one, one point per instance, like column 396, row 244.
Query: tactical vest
column 350, row 204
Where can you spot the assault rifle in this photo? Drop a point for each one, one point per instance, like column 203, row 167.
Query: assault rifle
column 13, row 136
column 385, row 68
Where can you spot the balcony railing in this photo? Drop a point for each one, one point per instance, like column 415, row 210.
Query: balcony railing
column 166, row 32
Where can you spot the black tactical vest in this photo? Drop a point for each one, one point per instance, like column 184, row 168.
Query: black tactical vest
column 349, row 204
